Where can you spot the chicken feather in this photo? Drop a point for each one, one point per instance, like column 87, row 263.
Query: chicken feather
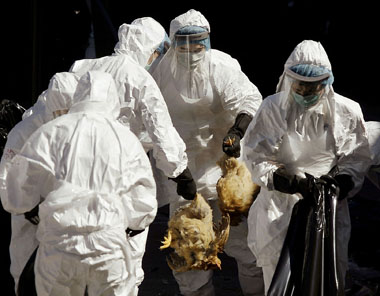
column 196, row 240
column 236, row 190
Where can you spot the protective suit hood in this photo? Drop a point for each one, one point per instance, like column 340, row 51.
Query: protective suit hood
column 191, row 71
column 190, row 18
column 140, row 39
column 306, row 52
column 96, row 92
column 59, row 95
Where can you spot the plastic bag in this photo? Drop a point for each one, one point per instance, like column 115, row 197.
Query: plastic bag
column 308, row 262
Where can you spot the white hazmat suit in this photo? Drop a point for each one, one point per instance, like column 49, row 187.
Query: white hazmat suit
column 373, row 128
column 310, row 140
column 203, row 102
column 143, row 108
column 142, row 105
column 56, row 98
column 93, row 180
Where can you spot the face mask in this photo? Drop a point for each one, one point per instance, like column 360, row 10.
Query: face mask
column 305, row 101
column 190, row 59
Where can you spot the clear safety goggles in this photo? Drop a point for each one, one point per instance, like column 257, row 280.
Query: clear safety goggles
column 306, row 86
column 184, row 41
column 299, row 77
column 190, row 49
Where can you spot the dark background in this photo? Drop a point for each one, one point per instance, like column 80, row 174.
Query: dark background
column 42, row 37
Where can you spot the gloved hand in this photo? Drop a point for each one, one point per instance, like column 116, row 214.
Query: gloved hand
column 231, row 145
column 186, row 186
column 231, row 142
column 291, row 184
column 343, row 182
column 32, row 215
column 132, row 233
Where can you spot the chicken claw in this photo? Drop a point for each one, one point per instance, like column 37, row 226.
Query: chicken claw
column 229, row 141
column 167, row 241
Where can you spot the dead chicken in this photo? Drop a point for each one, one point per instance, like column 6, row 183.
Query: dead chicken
column 196, row 240
column 236, row 190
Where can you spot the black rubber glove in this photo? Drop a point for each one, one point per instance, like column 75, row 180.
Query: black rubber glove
column 291, row 184
column 231, row 142
column 32, row 216
column 343, row 182
column 132, row 233
column 186, row 186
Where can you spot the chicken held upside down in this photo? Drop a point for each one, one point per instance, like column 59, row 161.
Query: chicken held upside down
column 236, row 190
column 196, row 240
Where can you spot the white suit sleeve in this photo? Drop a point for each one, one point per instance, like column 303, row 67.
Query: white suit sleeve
column 352, row 146
column 30, row 175
column 262, row 142
column 373, row 129
column 140, row 198
column 5, row 165
column 15, row 141
column 168, row 146
column 237, row 92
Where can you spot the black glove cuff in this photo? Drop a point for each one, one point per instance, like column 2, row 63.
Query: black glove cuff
column 292, row 184
column 241, row 124
column 32, row 215
column 231, row 145
column 283, row 182
column 132, row 233
column 305, row 186
column 185, row 176
column 345, row 183
column 186, row 186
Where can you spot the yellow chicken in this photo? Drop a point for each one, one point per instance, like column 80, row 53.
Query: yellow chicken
column 236, row 190
column 195, row 238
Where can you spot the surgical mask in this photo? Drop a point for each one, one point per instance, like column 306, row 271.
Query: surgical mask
column 305, row 101
column 188, row 59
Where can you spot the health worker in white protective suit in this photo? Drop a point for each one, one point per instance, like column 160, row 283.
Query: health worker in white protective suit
column 305, row 127
column 158, row 53
column 373, row 174
column 54, row 101
column 206, row 92
column 143, row 108
column 88, row 194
